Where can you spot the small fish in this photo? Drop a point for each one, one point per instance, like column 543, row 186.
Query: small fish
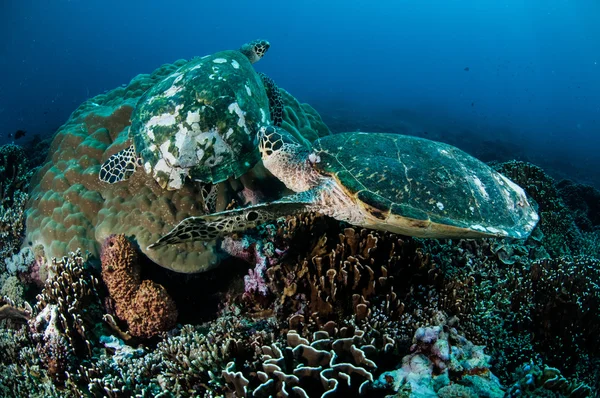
column 466, row 69
column 18, row 134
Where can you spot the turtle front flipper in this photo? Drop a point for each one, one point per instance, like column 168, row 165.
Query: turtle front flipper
column 119, row 166
column 218, row 225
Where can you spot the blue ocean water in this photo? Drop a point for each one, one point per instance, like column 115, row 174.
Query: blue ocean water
column 521, row 79
column 522, row 73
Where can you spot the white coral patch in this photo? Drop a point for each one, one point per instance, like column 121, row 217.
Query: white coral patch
column 478, row 227
column 444, row 152
column 480, row 187
column 192, row 117
column 248, row 90
column 228, row 133
column 173, row 90
column 263, row 116
column 440, row 205
column 161, row 165
column 178, row 79
column 147, row 167
column 497, row 231
column 168, row 156
column 166, row 119
column 219, row 60
column 235, row 64
column 212, row 139
column 235, row 107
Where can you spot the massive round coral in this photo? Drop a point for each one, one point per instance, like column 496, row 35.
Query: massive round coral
column 70, row 208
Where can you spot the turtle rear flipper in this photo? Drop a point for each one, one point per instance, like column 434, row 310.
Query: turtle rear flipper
column 218, row 225
column 119, row 166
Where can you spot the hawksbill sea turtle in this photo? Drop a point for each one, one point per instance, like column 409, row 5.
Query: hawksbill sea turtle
column 201, row 121
column 401, row 184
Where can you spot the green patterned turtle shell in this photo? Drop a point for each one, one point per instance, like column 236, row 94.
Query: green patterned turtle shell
column 201, row 121
column 396, row 178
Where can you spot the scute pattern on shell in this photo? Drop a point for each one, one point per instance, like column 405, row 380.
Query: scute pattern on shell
column 432, row 181
column 201, row 121
column 119, row 166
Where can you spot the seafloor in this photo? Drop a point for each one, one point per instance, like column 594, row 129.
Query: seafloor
column 306, row 306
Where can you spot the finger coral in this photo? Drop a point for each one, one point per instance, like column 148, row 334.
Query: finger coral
column 144, row 305
column 65, row 316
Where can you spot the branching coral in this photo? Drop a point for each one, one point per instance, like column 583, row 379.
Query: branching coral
column 356, row 272
column 14, row 181
column 22, row 372
column 69, row 307
column 533, row 381
column 561, row 235
column 544, row 310
column 144, row 305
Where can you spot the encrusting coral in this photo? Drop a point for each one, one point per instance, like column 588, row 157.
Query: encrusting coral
column 144, row 305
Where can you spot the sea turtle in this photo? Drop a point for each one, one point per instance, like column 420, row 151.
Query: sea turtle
column 200, row 121
column 397, row 183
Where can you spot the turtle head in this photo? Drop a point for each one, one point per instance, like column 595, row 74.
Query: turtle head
column 287, row 159
column 255, row 50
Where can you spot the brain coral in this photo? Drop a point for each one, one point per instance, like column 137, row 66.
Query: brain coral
column 71, row 208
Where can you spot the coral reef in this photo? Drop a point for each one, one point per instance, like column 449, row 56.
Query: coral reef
column 144, row 305
column 561, row 235
column 14, row 182
column 326, row 366
column 71, row 208
column 67, row 309
column 533, row 381
column 441, row 358
column 324, row 309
